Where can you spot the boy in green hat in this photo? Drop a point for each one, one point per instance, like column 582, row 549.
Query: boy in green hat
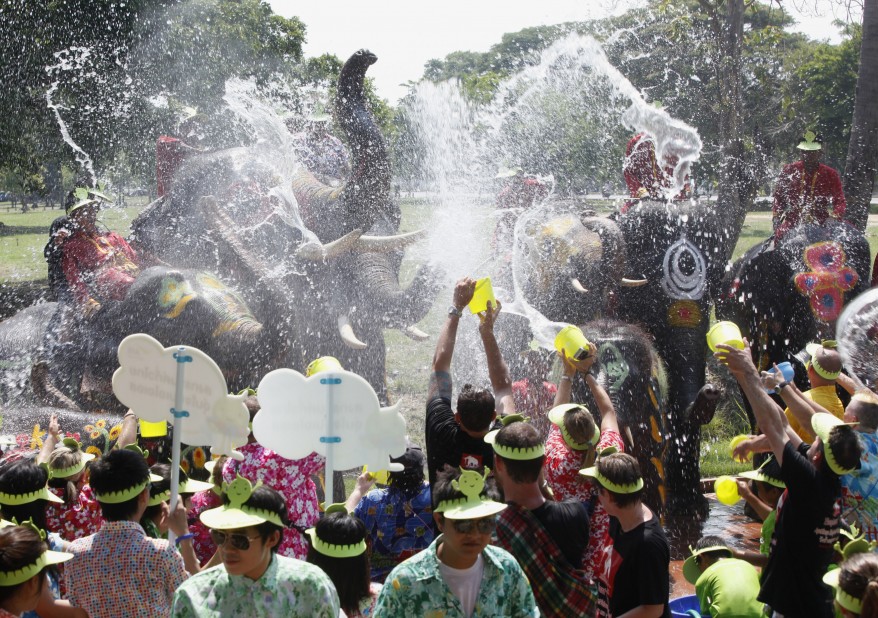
column 726, row 587
column 769, row 488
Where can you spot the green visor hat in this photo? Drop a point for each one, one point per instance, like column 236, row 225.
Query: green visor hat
column 845, row 600
column 189, row 486
column 236, row 514
column 810, row 141
column 473, row 505
column 759, row 475
column 556, row 417
column 813, row 349
column 123, row 495
column 823, row 424
column 86, row 196
column 42, row 493
column 331, row 549
column 63, row 473
column 606, row 483
column 511, row 452
column 690, row 569
column 48, row 557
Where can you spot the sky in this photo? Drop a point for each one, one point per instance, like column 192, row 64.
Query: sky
column 405, row 34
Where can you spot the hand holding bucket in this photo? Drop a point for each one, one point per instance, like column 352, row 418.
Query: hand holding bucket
column 571, row 341
column 786, row 370
column 727, row 333
column 484, row 293
column 734, row 443
column 726, row 489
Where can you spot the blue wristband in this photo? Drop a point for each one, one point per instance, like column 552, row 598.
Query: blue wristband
column 185, row 537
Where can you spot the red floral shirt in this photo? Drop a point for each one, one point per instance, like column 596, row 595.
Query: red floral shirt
column 292, row 478
column 562, row 473
column 800, row 197
column 76, row 520
column 203, row 545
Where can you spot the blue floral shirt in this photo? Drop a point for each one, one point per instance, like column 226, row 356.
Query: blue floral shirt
column 859, row 489
column 416, row 589
column 399, row 528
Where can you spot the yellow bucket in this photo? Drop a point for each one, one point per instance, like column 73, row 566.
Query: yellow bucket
column 381, row 476
column 726, row 489
column 153, row 430
column 727, row 333
column 573, row 342
column 484, row 292
column 733, row 444
column 324, row 363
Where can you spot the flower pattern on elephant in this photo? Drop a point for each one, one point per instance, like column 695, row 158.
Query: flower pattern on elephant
column 827, row 281
column 292, row 478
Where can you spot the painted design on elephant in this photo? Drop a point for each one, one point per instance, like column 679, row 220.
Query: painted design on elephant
column 684, row 314
column 827, row 281
column 228, row 304
column 684, row 271
column 175, row 295
column 657, row 423
column 614, row 364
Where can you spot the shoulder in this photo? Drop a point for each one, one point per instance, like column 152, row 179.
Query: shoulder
column 209, row 578
column 568, row 509
column 501, row 558
column 611, row 438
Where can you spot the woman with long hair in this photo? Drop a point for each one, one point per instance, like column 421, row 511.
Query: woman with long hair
column 856, row 586
column 24, row 560
column 80, row 513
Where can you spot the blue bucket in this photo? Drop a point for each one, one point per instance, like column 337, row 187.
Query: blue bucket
column 685, row 607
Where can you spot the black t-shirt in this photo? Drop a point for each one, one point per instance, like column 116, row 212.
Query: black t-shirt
column 567, row 523
column 640, row 568
column 801, row 547
column 447, row 443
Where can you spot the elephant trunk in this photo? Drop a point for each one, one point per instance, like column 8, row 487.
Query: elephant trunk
column 701, row 411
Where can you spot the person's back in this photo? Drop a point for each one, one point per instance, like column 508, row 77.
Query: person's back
column 726, row 587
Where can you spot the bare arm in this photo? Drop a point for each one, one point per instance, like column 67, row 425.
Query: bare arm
column 364, row 482
column 50, row 607
column 609, row 422
column 179, row 525
column 440, row 380
column 800, row 407
column 762, row 509
column 498, row 371
column 769, row 416
column 52, row 437
column 753, row 557
column 128, row 435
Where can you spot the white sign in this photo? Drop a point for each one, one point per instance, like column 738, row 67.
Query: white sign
column 146, row 382
column 295, row 411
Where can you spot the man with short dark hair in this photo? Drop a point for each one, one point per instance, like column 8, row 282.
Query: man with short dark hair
column 119, row 571
column 456, row 438
column 637, row 571
column 547, row 538
column 808, row 513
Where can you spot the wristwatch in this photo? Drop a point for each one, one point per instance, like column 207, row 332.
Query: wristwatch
column 452, row 310
column 781, row 385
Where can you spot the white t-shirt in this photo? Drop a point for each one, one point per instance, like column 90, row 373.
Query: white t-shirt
column 464, row 583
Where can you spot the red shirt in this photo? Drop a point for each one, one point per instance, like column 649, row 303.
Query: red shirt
column 101, row 267
column 76, row 520
column 641, row 170
column 169, row 155
column 800, row 197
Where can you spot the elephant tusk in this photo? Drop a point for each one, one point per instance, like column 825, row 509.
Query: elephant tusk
column 633, row 283
column 315, row 252
column 578, row 286
column 347, row 333
column 382, row 244
column 415, row 333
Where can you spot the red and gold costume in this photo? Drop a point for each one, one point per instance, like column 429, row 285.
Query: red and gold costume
column 99, row 267
column 803, row 197
column 643, row 176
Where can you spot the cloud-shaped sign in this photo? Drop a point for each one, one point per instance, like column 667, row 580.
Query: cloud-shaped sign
column 294, row 414
column 146, row 382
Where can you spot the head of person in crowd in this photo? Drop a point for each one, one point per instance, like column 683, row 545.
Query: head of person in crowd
column 519, row 453
column 215, row 468
column 248, row 527
column 476, row 410
column 578, row 429
column 82, row 207
column 155, row 518
column 410, row 480
column 24, row 557
column 863, row 409
column 67, row 468
column 708, row 550
column 769, row 485
column 620, row 483
column 121, row 480
column 338, row 546
column 810, row 148
column 824, row 365
column 24, row 492
column 465, row 507
column 837, row 446
column 856, row 586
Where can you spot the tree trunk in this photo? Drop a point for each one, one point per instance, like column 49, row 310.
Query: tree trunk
column 859, row 171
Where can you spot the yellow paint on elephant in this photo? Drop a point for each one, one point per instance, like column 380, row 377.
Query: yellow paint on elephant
column 652, row 397
column 654, row 430
column 181, row 304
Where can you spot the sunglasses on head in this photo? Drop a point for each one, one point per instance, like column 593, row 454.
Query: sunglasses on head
column 486, row 525
column 237, row 540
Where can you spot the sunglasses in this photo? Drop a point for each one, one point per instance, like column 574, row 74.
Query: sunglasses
column 486, row 525
column 238, row 541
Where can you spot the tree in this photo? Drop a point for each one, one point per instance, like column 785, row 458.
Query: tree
column 862, row 160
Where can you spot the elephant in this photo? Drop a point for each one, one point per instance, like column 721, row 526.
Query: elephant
column 786, row 294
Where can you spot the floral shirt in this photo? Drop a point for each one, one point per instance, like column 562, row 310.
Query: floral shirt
column 415, row 588
column 119, row 571
column 398, row 528
column 289, row 587
column 859, row 489
column 562, row 473
column 292, row 478
column 203, row 545
column 74, row 521
column 367, row 604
